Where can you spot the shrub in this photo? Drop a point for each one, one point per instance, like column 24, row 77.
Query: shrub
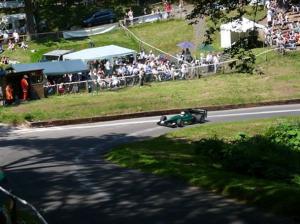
column 286, row 134
column 270, row 156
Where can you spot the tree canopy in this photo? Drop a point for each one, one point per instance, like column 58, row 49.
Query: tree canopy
column 222, row 11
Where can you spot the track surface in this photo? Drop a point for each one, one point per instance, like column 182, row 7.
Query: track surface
column 61, row 170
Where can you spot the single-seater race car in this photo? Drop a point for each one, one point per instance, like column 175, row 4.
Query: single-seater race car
column 189, row 116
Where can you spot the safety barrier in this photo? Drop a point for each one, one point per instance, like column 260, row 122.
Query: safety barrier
column 97, row 85
column 11, row 216
column 144, row 19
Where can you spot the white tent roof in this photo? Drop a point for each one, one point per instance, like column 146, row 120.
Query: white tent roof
column 105, row 52
column 240, row 26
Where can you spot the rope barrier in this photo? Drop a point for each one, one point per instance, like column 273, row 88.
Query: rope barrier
column 149, row 45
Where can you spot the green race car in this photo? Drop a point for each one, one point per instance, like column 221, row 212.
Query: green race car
column 189, row 116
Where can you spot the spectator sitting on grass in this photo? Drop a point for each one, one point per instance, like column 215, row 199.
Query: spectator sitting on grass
column 5, row 60
column 11, row 45
column 23, row 45
column 61, row 88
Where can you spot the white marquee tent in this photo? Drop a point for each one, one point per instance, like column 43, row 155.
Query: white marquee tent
column 107, row 52
column 231, row 32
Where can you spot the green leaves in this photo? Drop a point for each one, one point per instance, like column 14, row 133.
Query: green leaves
column 286, row 134
column 223, row 11
column 274, row 155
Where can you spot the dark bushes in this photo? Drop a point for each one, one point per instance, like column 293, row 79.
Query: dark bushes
column 274, row 155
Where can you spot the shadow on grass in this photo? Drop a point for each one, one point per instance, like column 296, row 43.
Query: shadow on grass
column 54, row 39
column 255, row 169
column 69, row 179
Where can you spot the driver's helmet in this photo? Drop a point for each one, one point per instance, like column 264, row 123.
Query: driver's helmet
column 182, row 113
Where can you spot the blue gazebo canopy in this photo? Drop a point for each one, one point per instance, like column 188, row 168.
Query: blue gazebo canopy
column 52, row 67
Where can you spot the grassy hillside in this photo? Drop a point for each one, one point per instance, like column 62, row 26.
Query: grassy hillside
column 280, row 82
column 164, row 35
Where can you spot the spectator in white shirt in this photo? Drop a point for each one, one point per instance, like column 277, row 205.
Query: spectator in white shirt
column 5, row 37
column 215, row 62
column 209, row 58
column 24, row 46
column 16, row 36
column 267, row 4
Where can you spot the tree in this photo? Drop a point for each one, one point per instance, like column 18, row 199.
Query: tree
column 222, row 11
column 30, row 23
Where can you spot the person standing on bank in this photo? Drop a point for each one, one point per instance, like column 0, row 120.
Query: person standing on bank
column 25, row 87
column 130, row 16
column 141, row 76
column 9, row 94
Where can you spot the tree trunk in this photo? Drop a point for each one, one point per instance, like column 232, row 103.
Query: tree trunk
column 30, row 23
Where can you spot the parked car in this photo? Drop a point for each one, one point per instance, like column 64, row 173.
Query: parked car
column 100, row 17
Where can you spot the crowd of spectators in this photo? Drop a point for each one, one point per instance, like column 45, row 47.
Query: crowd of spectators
column 147, row 67
column 283, row 30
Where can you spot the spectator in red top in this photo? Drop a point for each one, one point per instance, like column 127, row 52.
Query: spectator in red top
column 25, row 87
column 168, row 8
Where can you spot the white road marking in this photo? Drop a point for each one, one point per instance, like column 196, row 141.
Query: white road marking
column 64, row 128
column 144, row 131
column 255, row 113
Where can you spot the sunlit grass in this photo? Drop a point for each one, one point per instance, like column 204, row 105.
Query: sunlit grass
column 158, row 34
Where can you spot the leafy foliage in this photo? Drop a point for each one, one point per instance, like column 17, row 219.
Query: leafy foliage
column 250, row 168
column 286, row 134
column 241, row 50
column 272, row 156
column 222, row 11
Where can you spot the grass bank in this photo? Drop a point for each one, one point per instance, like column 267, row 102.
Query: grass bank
column 280, row 82
column 157, row 33
column 214, row 157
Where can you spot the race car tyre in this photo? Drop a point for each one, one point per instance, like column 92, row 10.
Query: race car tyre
column 202, row 119
column 180, row 123
column 195, row 120
column 163, row 118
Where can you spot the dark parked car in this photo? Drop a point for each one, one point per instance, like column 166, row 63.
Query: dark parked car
column 100, row 17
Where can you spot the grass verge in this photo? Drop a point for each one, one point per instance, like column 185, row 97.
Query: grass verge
column 280, row 82
column 180, row 154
